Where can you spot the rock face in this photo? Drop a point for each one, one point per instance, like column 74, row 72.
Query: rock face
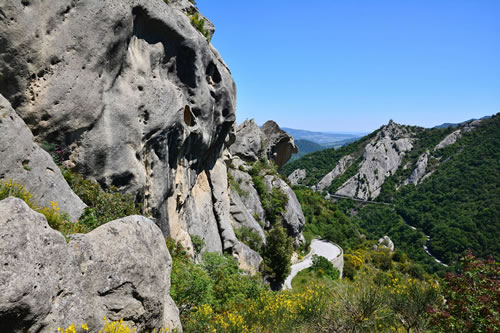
column 279, row 145
column 24, row 162
column 293, row 219
column 342, row 165
column 420, row 170
column 381, row 158
column 449, row 140
column 140, row 98
column 119, row 270
column 270, row 142
column 297, row 176
column 386, row 242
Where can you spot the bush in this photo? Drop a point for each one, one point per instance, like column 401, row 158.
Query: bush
column 250, row 238
column 104, row 205
column 323, row 265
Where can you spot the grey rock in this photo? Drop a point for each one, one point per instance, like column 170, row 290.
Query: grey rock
column 387, row 242
column 248, row 144
column 342, row 165
column 293, row 219
column 24, row 162
column 119, row 270
column 248, row 259
column 420, row 170
column 381, row 158
column 251, row 199
column 159, row 108
column 297, row 176
column 156, row 115
column 270, row 142
column 241, row 217
column 279, row 145
column 449, row 140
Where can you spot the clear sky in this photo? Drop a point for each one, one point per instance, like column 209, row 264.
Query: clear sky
column 349, row 65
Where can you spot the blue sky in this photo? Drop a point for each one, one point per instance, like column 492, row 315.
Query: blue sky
column 350, row 66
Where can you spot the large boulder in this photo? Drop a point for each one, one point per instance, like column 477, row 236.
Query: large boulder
column 278, row 144
column 139, row 97
column 24, row 162
column 119, row 270
column 268, row 142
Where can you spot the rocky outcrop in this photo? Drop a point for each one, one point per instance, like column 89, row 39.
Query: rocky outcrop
column 241, row 216
column 278, row 144
column 268, row 142
column 248, row 143
column 386, row 242
column 293, row 218
column 381, row 158
column 342, row 165
column 251, row 198
column 119, row 270
column 449, row 140
column 24, row 162
column 420, row 170
column 297, row 176
column 155, row 117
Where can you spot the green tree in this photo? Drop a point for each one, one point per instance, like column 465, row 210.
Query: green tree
column 277, row 254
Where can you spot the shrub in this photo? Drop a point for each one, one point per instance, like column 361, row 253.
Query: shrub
column 198, row 243
column 472, row 297
column 104, row 205
column 323, row 265
column 250, row 238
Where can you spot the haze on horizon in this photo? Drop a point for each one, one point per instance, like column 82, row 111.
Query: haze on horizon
column 350, row 66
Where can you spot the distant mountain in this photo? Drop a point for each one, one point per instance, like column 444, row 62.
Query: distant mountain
column 323, row 138
column 446, row 125
column 306, row 147
column 445, row 182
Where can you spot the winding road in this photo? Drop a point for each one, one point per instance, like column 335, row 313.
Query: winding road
column 319, row 247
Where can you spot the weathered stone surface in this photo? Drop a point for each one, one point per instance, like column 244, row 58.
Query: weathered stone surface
column 270, row 142
column 251, row 199
column 297, row 176
column 159, row 107
column 248, row 259
column 420, row 170
column 342, row 165
column 248, row 144
column 119, row 270
column 279, row 145
column 449, row 140
column 293, row 219
column 387, row 242
column 381, row 158
column 24, row 162
column 241, row 217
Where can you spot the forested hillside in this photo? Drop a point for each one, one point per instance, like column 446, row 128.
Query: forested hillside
column 447, row 186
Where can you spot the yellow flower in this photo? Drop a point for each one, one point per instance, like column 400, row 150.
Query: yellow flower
column 85, row 327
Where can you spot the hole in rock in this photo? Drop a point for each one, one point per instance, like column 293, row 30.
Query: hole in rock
column 189, row 117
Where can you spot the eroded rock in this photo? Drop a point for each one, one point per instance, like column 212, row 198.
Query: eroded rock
column 120, row 270
column 24, row 162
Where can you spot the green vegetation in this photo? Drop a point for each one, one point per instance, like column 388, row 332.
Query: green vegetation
column 459, row 205
column 321, row 162
column 325, row 220
column 305, row 147
column 103, row 205
column 277, row 254
column 250, row 238
column 199, row 23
